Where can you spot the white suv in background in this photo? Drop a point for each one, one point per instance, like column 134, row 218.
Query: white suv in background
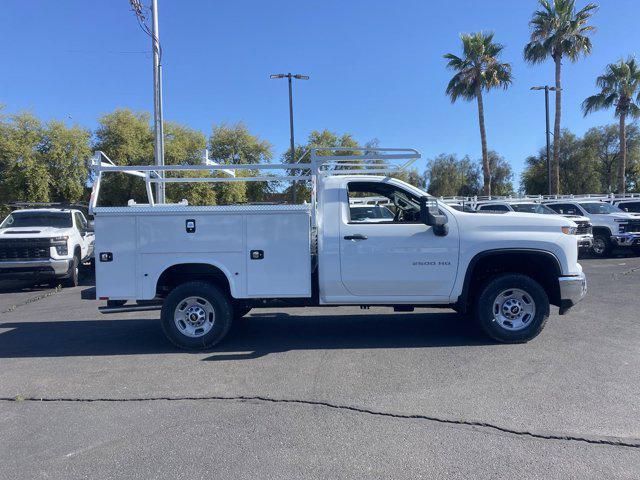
column 611, row 225
column 583, row 232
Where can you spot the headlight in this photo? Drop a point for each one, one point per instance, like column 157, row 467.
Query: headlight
column 569, row 230
column 61, row 245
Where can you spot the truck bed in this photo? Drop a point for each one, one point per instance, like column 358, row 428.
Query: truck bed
column 144, row 241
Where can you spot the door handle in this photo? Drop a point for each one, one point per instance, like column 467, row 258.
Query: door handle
column 357, row 236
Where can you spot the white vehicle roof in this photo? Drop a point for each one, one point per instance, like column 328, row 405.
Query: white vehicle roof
column 32, row 210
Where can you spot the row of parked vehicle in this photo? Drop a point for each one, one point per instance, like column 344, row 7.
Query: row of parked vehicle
column 603, row 222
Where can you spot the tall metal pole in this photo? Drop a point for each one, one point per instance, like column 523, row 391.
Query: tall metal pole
column 157, row 100
column 293, row 145
column 546, row 106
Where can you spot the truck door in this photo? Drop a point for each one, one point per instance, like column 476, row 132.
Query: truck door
column 393, row 254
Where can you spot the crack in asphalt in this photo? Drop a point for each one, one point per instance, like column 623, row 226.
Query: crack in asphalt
column 37, row 298
column 626, row 272
column 610, row 441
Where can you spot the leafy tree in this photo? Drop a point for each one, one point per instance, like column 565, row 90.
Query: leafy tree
column 558, row 31
column 236, row 145
column 501, row 175
column 447, row 175
column 578, row 168
column 185, row 146
column 478, row 69
column 23, row 172
column 619, row 87
column 318, row 139
column 127, row 139
column 65, row 152
column 602, row 146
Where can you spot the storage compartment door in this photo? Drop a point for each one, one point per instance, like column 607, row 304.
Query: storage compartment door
column 281, row 263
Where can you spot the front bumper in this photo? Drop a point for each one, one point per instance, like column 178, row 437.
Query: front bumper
column 572, row 290
column 626, row 239
column 25, row 268
column 585, row 241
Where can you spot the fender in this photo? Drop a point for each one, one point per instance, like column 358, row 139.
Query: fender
column 462, row 302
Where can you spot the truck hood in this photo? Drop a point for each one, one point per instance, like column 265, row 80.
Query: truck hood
column 520, row 221
column 32, row 232
column 617, row 216
column 576, row 218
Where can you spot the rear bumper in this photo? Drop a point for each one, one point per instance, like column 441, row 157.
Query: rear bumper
column 26, row 268
column 626, row 239
column 572, row 290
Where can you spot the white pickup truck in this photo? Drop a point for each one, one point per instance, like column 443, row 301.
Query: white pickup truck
column 45, row 244
column 203, row 266
column 611, row 226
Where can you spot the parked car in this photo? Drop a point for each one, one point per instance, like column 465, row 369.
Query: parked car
column 611, row 226
column 583, row 231
column 203, row 266
column 45, row 244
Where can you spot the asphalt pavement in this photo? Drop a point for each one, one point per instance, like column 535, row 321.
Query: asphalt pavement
column 322, row 393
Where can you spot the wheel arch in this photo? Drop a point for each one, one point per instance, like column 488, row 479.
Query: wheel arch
column 541, row 265
column 179, row 273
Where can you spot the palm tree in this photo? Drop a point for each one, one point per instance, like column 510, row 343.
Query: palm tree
column 557, row 30
column 478, row 69
column 619, row 87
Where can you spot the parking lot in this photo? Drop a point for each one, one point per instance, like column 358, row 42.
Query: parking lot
column 322, row 393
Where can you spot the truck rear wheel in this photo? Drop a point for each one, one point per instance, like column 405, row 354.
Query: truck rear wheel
column 196, row 315
column 512, row 308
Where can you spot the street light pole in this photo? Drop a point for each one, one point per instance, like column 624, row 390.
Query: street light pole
column 289, row 77
column 546, row 89
column 157, row 100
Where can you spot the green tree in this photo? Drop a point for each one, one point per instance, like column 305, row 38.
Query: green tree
column 318, row 139
column 578, row 168
column 65, row 151
column 501, row 175
column 127, row 139
column 602, row 146
column 446, row 175
column 559, row 31
column 478, row 69
column 185, row 146
column 23, row 173
column 619, row 88
column 236, row 145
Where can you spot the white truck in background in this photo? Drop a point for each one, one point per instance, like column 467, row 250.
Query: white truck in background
column 612, row 227
column 45, row 244
column 583, row 231
column 203, row 266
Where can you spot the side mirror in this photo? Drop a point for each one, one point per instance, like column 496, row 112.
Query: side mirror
column 430, row 215
column 90, row 226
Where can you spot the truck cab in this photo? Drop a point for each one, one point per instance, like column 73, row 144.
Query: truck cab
column 203, row 266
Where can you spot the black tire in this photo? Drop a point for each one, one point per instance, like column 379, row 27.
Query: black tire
column 217, row 324
column 240, row 312
column 602, row 245
column 73, row 276
column 531, row 325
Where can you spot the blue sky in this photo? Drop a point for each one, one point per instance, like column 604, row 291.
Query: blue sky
column 376, row 67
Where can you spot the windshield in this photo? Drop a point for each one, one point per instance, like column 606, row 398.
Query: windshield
column 600, row 208
column 38, row 219
column 532, row 208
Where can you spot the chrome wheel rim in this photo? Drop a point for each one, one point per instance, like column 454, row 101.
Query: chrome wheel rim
column 194, row 317
column 598, row 246
column 514, row 309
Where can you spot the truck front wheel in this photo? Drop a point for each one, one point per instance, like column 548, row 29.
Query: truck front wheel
column 196, row 315
column 601, row 245
column 512, row 308
column 73, row 276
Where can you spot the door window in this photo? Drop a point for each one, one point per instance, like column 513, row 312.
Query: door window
column 392, row 204
column 81, row 223
column 630, row 207
column 565, row 208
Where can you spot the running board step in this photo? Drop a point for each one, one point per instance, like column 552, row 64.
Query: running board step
column 130, row 308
